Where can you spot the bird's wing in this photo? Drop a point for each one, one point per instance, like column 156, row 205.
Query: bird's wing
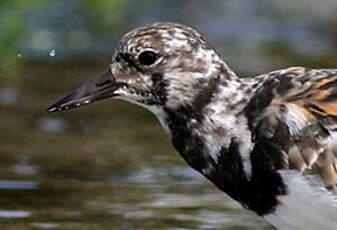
column 295, row 111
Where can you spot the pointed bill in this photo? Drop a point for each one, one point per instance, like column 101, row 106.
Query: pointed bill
column 102, row 86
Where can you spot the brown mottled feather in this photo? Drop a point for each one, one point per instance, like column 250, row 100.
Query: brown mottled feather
column 305, row 102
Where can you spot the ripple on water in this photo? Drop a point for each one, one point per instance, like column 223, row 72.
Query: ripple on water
column 184, row 198
column 52, row 124
column 9, row 96
column 14, row 214
column 45, row 225
column 25, row 169
column 162, row 175
column 11, row 184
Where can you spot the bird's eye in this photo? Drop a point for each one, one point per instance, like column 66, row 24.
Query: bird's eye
column 147, row 57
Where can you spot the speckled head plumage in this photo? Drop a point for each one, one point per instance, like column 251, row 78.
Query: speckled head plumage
column 161, row 63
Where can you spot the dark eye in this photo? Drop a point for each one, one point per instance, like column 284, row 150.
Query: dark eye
column 147, row 57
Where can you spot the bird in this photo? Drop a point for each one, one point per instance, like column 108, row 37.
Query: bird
column 268, row 141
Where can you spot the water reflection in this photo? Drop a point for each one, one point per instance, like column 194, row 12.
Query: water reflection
column 7, row 184
column 45, row 225
column 51, row 124
column 9, row 96
column 178, row 197
column 24, row 167
column 13, row 214
column 151, row 197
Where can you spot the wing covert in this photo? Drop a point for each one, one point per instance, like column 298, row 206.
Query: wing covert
column 295, row 110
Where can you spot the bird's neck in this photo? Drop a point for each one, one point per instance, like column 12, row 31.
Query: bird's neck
column 209, row 124
column 213, row 148
column 214, row 138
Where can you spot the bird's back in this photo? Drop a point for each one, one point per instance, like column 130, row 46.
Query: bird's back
column 293, row 117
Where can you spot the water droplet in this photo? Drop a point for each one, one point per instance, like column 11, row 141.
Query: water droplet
column 52, row 53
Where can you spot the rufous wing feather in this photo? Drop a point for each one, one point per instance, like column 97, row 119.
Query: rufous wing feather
column 304, row 101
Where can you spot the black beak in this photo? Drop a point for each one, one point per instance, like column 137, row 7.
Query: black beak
column 97, row 88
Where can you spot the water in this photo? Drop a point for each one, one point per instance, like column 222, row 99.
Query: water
column 9, row 96
column 104, row 166
column 151, row 197
column 7, row 184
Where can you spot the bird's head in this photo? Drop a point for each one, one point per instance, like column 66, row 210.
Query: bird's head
column 162, row 64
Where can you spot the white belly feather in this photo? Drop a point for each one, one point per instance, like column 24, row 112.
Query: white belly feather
column 308, row 206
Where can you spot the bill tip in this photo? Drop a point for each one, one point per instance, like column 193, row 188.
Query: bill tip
column 51, row 109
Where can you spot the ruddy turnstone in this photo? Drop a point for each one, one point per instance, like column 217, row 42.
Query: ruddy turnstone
column 269, row 141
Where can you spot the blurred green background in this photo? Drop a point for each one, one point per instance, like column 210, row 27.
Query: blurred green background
column 109, row 165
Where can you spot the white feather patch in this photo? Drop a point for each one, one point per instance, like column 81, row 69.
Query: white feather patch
column 308, row 206
column 295, row 119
